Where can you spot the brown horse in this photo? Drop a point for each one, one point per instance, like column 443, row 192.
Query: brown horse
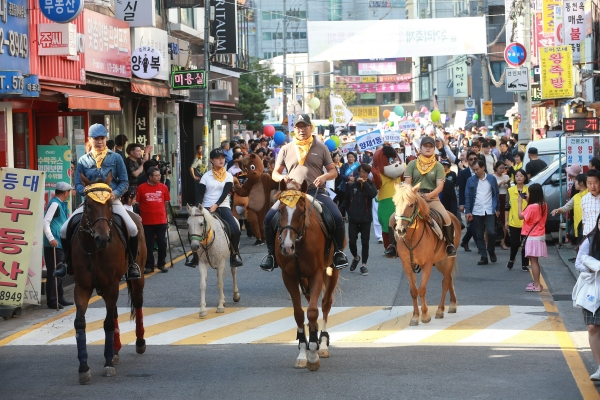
column 417, row 244
column 304, row 263
column 100, row 261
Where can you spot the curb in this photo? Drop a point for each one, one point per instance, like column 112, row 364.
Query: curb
column 565, row 252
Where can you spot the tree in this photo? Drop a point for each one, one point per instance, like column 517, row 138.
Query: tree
column 341, row 89
column 253, row 89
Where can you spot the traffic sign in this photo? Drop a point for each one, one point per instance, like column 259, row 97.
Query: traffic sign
column 517, row 79
column 515, row 54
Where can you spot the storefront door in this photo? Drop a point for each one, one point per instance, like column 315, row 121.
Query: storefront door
column 167, row 130
column 6, row 136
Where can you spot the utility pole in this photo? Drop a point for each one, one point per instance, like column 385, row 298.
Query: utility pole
column 485, row 73
column 284, row 61
column 523, row 98
column 206, row 138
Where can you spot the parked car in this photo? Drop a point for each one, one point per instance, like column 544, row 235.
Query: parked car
column 549, row 178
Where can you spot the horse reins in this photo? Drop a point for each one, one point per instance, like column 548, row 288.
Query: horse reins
column 204, row 236
column 90, row 225
column 411, row 220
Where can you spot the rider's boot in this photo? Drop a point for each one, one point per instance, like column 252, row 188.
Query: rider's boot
column 391, row 249
column 194, row 261
column 235, row 260
column 133, row 272
column 449, row 236
column 268, row 262
column 65, row 265
column 339, row 258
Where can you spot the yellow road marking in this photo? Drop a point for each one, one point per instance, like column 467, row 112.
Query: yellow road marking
column 469, row 326
column 233, row 329
column 71, row 310
column 333, row 320
column 381, row 331
column 580, row 373
column 539, row 334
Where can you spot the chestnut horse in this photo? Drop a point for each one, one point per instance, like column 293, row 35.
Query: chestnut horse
column 417, row 244
column 304, row 263
column 99, row 262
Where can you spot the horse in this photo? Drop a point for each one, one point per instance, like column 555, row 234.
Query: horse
column 305, row 261
column 415, row 240
column 100, row 261
column 208, row 238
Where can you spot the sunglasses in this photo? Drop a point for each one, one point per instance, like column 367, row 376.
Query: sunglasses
column 472, row 158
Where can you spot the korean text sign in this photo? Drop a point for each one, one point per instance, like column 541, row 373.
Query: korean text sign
column 55, row 161
column 369, row 141
column 108, row 46
column 61, row 11
column 580, row 150
column 573, row 23
column 20, row 198
column 548, row 14
column 14, row 36
column 556, row 67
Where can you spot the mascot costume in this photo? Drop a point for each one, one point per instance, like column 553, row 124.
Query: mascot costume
column 387, row 170
column 257, row 189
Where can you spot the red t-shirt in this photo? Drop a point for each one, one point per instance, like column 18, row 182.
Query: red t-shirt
column 531, row 215
column 151, row 200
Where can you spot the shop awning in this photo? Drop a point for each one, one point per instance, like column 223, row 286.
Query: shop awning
column 78, row 99
column 150, row 88
column 223, row 113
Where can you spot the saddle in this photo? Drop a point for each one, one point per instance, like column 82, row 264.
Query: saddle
column 226, row 227
column 436, row 222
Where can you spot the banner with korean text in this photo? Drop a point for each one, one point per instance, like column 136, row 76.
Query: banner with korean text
column 340, row 114
column 369, row 140
column 556, row 68
column 548, row 14
column 580, row 150
column 20, row 198
column 573, row 23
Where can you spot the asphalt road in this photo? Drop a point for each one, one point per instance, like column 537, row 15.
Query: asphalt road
column 503, row 342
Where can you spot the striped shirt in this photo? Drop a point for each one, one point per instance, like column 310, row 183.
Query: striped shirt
column 590, row 205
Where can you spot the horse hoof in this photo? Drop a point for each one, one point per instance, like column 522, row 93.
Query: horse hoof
column 203, row 314
column 236, row 297
column 300, row 364
column 85, row 377
column 425, row 320
column 140, row 349
column 109, row 371
column 414, row 322
column 452, row 310
column 314, row 366
column 116, row 359
column 323, row 353
column 439, row 315
column 220, row 310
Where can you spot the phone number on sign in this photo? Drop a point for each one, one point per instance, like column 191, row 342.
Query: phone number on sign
column 10, row 296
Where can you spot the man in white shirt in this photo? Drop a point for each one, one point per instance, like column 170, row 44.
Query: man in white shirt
column 590, row 203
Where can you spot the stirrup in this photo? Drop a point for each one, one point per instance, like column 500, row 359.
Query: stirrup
column 266, row 267
column 391, row 251
column 131, row 275
column 60, row 271
column 339, row 255
column 451, row 250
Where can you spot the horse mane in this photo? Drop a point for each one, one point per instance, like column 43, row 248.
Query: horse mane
column 405, row 194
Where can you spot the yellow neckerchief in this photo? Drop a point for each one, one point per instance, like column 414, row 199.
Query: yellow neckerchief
column 219, row 174
column 99, row 156
column 99, row 192
column 290, row 197
column 426, row 164
column 302, row 146
column 208, row 237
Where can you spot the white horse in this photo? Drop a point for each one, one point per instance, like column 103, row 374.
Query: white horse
column 209, row 240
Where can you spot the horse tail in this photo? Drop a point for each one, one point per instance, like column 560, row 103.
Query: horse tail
column 454, row 268
column 132, row 309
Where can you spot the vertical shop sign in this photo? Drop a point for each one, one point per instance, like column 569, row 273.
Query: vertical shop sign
column 460, row 81
column 580, row 150
column 548, row 14
column 224, row 27
column 556, row 67
column 573, row 22
column 136, row 12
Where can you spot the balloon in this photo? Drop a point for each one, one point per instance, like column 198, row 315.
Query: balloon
column 475, row 117
column 435, row 115
column 330, row 144
column 417, row 119
column 314, row 103
column 423, row 109
column 399, row 110
column 269, row 130
column 336, row 140
column 415, row 113
column 386, row 113
column 391, row 123
column 279, row 138
column 404, row 118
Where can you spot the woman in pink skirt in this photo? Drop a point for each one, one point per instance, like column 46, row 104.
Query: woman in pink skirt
column 534, row 227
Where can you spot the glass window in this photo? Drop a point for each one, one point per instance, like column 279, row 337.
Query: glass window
column 157, row 6
column 278, row 35
column 405, row 97
column 302, row 14
column 368, row 98
column 389, row 98
column 288, row 35
column 316, row 79
column 266, row 15
column 498, row 68
column 186, row 16
column 266, row 36
column 267, row 55
column 276, row 15
column 302, row 35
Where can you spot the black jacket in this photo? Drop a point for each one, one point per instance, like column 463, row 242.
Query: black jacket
column 358, row 201
column 463, row 176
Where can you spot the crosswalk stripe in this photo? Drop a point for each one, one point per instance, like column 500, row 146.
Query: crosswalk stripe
column 377, row 332
column 352, row 327
column 519, row 319
column 539, row 334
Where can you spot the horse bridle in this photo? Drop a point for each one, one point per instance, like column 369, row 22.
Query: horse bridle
column 90, row 225
column 410, row 219
column 300, row 235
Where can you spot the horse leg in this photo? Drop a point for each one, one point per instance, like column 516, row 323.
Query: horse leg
column 291, row 285
column 110, row 298
column 137, row 303
column 117, row 338
column 220, row 270
column 425, row 317
column 326, row 303
column 203, row 272
column 82, row 297
column 312, row 314
column 412, row 281
column 443, row 268
column 452, row 308
column 236, row 292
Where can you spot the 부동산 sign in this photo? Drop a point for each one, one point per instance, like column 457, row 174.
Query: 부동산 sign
column 60, row 11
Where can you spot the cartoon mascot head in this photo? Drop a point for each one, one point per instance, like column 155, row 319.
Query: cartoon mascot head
column 387, row 162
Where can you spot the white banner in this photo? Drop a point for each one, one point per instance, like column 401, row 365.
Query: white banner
column 348, row 147
column 369, row 141
column 573, row 22
column 407, row 125
column 340, row 114
column 461, row 79
column 460, row 119
column 392, row 137
column 351, row 40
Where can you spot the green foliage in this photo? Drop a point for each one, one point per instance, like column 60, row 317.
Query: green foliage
column 342, row 89
column 253, row 87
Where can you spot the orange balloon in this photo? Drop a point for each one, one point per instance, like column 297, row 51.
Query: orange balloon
column 386, row 113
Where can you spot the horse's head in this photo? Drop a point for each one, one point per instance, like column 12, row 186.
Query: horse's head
column 292, row 213
column 409, row 206
column 198, row 226
column 97, row 210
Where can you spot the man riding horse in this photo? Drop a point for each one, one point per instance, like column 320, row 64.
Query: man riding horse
column 305, row 160
column 97, row 165
column 428, row 172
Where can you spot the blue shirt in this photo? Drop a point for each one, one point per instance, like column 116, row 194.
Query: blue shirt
column 86, row 165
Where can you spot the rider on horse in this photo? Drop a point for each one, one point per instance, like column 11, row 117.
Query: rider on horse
column 304, row 159
column 213, row 194
column 96, row 165
column 428, row 172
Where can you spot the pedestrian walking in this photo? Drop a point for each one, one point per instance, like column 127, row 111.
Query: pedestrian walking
column 449, row 192
column 514, row 223
column 56, row 215
column 482, row 206
column 534, row 216
column 535, row 165
column 196, row 170
column 358, row 204
column 463, row 177
column 503, row 181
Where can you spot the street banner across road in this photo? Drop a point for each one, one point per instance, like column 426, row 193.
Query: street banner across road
column 370, row 39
